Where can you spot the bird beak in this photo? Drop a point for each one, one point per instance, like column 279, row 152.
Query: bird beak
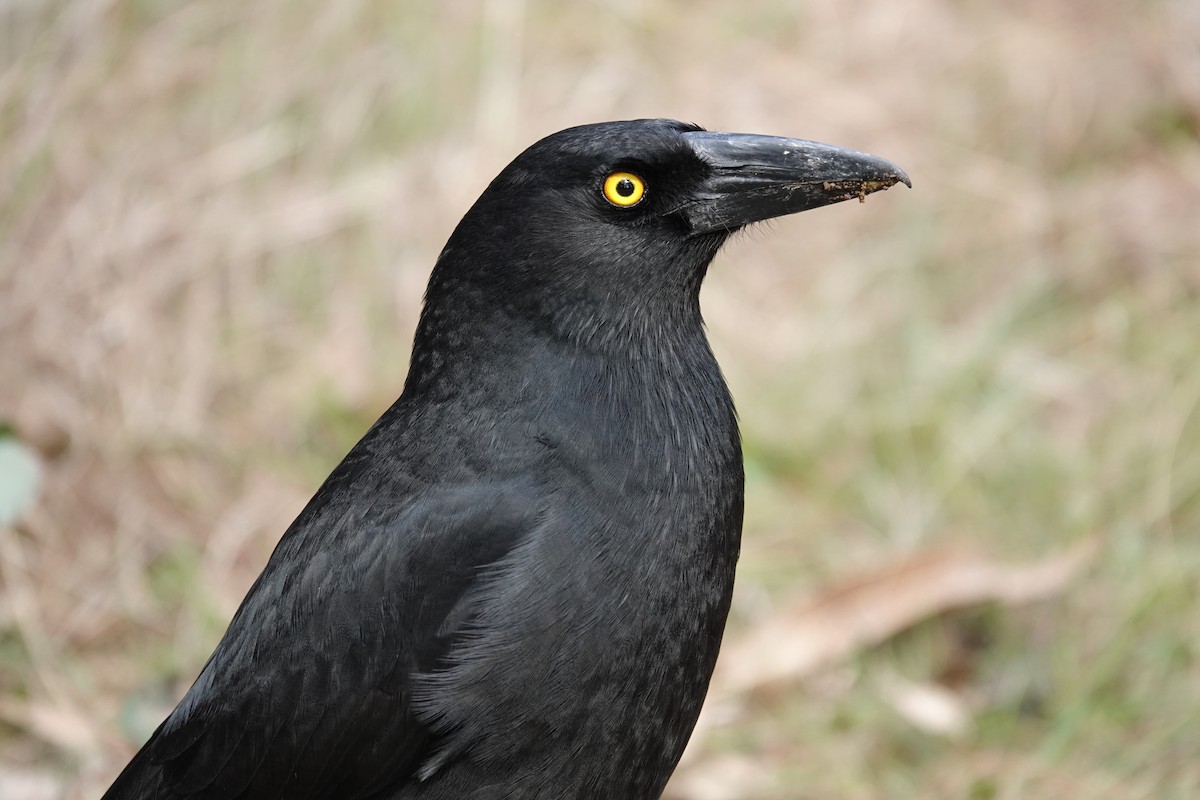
column 759, row 177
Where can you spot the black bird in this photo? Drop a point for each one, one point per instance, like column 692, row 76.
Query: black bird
column 515, row 585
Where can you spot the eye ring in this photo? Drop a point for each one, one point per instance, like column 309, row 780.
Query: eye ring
column 624, row 189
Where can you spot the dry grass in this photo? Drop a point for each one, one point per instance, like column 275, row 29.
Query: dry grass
column 215, row 224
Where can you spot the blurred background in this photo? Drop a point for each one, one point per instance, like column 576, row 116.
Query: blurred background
column 970, row 409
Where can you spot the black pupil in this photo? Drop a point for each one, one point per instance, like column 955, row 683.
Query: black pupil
column 625, row 187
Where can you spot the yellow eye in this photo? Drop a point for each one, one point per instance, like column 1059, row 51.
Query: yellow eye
column 624, row 189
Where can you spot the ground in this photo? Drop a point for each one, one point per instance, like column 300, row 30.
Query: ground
column 216, row 220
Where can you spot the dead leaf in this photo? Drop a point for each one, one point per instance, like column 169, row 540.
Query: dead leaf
column 808, row 634
column 65, row 727
column 931, row 707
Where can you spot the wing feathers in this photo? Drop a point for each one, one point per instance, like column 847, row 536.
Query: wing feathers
column 309, row 693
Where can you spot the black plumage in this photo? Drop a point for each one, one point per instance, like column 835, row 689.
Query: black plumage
column 515, row 585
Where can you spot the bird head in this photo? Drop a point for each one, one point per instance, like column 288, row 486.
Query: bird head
column 614, row 224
